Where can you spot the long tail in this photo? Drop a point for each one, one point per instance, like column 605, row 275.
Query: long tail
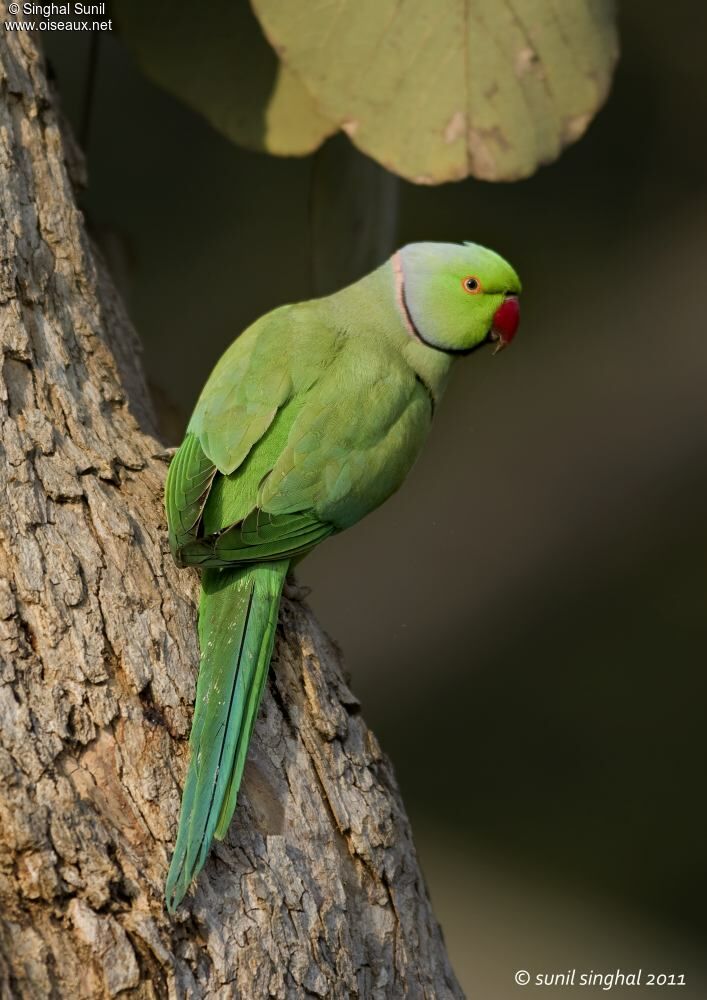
column 237, row 620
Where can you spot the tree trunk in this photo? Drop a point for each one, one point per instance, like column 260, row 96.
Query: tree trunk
column 317, row 890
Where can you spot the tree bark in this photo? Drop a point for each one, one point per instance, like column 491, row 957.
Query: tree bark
column 317, row 890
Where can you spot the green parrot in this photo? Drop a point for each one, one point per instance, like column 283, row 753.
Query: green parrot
column 311, row 419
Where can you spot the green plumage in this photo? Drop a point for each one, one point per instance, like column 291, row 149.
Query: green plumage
column 310, row 420
column 237, row 620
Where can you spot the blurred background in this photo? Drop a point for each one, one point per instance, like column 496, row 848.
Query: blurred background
column 525, row 622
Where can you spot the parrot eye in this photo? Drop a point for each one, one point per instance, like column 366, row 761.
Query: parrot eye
column 471, row 284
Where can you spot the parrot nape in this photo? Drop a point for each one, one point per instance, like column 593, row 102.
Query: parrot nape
column 311, row 419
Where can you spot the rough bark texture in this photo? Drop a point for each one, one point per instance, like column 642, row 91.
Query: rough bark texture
column 317, row 891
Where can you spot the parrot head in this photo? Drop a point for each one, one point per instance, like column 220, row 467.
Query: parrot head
column 457, row 297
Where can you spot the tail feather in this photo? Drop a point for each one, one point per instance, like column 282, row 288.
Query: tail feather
column 246, row 729
column 237, row 620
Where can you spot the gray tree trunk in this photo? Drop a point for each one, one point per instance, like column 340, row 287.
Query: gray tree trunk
column 317, row 890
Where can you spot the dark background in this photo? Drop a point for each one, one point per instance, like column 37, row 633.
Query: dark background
column 525, row 622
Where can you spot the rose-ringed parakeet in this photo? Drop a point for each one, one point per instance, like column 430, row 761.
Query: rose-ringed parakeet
column 311, row 419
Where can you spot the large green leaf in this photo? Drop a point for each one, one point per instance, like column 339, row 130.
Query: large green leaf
column 214, row 57
column 439, row 89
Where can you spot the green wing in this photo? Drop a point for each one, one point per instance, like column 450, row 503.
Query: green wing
column 236, row 436
column 189, row 480
column 298, row 433
column 354, row 442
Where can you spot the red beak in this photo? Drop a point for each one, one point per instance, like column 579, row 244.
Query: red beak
column 506, row 320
